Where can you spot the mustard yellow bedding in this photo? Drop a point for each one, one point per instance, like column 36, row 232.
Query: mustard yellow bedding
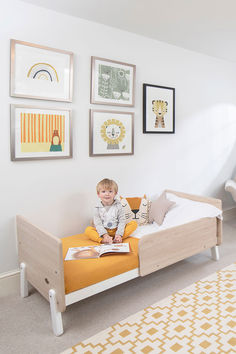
column 81, row 273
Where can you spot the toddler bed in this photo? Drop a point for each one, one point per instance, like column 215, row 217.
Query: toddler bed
column 62, row 283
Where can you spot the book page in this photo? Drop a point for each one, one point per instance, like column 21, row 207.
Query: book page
column 87, row 252
column 82, row 253
column 115, row 248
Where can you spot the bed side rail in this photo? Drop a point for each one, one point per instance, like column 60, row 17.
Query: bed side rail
column 197, row 198
column 41, row 252
column 166, row 247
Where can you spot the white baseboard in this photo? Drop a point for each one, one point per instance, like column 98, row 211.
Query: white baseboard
column 10, row 283
column 229, row 214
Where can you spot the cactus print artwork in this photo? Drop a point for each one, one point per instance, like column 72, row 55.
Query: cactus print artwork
column 113, row 83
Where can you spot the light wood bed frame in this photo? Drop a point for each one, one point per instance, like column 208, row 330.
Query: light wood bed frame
column 41, row 260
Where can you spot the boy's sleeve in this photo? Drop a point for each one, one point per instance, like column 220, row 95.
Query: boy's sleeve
column 98, row 223
column 121, row 221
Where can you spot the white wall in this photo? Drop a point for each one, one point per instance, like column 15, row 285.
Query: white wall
column 58, row 195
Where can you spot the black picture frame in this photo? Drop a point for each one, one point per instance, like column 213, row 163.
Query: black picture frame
column 160, row 99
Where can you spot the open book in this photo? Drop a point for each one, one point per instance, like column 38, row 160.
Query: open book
column 96, row 251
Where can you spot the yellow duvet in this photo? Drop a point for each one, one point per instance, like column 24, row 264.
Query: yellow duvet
column 81, row 273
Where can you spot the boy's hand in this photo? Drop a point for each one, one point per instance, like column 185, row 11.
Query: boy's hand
column 117, row 239
column 107, row 239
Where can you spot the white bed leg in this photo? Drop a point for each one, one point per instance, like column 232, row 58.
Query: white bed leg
column 57, row 325
column 215, row 253
column 24, row 290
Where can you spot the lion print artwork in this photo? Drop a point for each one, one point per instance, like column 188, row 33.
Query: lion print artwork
column 112, row 132
column 159, row 108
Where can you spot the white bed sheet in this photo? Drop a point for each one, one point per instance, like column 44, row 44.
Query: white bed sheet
column 183, row 212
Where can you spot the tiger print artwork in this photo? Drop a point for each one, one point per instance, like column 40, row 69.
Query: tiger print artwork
column 159, row 108
column 136, row 209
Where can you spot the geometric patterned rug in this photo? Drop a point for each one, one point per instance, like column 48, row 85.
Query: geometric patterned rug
column 200, row 319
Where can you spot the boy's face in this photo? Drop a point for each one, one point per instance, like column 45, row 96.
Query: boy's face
column 107, row 195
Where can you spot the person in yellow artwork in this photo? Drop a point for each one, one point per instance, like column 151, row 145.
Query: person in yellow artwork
column 109, row 217
column 56, row 142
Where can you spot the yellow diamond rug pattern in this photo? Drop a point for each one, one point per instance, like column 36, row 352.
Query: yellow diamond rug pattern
column 200, row 319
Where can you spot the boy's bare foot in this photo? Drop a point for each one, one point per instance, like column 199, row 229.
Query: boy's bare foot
column 107, row 239
column 117, row 239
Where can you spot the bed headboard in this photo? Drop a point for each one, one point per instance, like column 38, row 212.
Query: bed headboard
column 213, row 201
column 216, row 202
column 42, row 254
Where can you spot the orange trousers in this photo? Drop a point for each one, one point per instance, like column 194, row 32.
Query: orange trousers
column 92, row 233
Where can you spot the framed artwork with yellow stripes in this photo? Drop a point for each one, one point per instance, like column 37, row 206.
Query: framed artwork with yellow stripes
column 41, row 72
column 40, row 133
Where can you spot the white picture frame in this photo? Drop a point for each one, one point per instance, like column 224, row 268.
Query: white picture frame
column 41, row 72
column 40, row 133
column 112, row 82
column 111, row 133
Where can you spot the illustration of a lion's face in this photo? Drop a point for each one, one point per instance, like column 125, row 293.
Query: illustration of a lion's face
column 113, row 131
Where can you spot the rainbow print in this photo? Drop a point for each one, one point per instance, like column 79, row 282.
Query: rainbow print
column 43, row 71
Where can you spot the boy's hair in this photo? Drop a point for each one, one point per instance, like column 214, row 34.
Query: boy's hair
column 107, row 184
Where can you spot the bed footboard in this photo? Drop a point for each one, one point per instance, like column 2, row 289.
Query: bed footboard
column 41, row 254
column 166, row 247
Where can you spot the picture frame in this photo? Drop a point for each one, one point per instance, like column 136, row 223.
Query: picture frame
column 39, row 133
column 111, row 133
column 112, row 82
column 158, row 109
column 40, row 72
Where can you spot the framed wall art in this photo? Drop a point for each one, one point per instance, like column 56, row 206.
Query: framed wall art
column 112, row 82
column 111, row 133
column 40, row 133
column 158, row 109
column 41, row 72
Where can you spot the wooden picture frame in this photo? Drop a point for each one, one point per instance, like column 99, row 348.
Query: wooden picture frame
column 112, row 82
column 40, row 133
column 111, row 133
column 158, row 109
column 41, row 72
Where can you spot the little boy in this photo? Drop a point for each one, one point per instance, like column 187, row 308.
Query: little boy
column 109, row 216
